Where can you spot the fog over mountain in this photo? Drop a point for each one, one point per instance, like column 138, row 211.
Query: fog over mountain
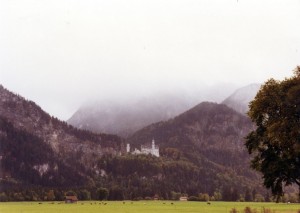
column 126, row 115
column 241, row 98
column 61, row 53
column 199, row 149
column 132, row 71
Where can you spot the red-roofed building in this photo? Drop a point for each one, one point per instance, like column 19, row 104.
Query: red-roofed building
column 71, row 199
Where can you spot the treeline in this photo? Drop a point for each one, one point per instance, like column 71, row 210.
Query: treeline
column 46, row 194
column 138, row 177
column 117, row 193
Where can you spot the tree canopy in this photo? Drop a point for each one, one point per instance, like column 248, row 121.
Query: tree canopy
column 275, row 143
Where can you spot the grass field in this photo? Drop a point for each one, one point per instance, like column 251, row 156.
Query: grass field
column 142, row 207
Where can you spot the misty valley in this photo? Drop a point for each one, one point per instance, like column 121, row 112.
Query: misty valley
column 147, row 151
column 136, row 106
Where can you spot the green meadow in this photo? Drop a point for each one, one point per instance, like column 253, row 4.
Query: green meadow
column 144, row 207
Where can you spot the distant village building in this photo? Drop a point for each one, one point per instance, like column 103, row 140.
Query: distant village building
column 156, row 197
column 145, row 149
column 183, row 198
column 71, row 199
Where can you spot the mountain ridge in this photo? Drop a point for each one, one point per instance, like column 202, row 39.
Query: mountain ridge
column 67, row 144
column 210, row 136
column 123, row 116
column 240, row 99
column 201, row 151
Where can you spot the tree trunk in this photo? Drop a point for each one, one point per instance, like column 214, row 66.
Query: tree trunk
column 277, row 198
column 299, row 193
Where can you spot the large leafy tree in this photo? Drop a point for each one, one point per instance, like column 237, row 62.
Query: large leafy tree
column 275, row 143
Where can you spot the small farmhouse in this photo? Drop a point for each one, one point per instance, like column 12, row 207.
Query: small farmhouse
column 183, row 198
column 71, row 199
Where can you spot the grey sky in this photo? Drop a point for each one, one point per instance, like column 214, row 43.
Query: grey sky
column 61, row 52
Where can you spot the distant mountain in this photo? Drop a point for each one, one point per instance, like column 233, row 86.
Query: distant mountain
column 211, row 137
column 41, row 150
column 241, row 98
column 27, row 160
column 201, row 151
column 124, row 118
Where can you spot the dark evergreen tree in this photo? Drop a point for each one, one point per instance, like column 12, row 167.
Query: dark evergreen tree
column 116, row 193
column 84, row 195
column 102, row 194
column 248, row 195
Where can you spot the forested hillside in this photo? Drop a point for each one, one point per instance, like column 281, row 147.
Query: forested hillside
column 202, row 152
column 211, row 138
column 38, row 149
column 27, row 161
column 240, row 99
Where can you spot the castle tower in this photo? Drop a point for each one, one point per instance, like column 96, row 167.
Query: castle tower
column 154, row 149
column 128, row 148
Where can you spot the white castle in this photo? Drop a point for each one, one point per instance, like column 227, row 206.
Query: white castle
column 153, row 149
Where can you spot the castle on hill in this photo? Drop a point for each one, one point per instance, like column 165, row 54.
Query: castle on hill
column 145, row 149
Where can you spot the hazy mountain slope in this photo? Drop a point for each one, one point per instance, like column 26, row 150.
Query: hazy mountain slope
column 210, row 136
column 27, row 160
column 72, row 148
column 202, row 151
column 241, row 98
column 124, row 118
column 126, row 115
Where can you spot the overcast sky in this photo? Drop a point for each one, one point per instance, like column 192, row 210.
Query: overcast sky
column 60, row 52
